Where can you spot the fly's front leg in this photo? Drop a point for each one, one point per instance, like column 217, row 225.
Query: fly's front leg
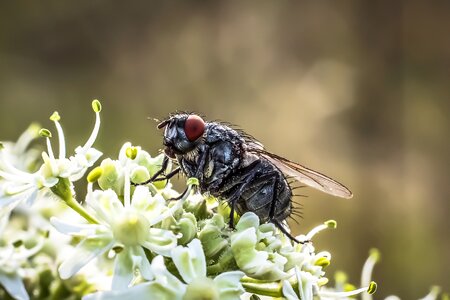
column 201, row 162
column 168, row 176
column 157, row 173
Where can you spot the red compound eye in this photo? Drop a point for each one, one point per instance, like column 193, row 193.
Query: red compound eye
column 194, row 127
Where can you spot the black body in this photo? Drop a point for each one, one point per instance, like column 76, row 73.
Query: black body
column 226, row 170
column 232, row 165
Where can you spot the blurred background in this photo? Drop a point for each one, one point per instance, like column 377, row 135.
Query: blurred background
column 357, row 90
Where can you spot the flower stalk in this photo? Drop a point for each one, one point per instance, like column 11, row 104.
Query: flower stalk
column 63, row 190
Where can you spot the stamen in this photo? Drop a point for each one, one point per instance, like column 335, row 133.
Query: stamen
column 50, row 159
column 369, row 289
column 374, row 257
column 47, row 134
column 96, row 106
column 62, row 143
column 49, row 148
column 317, row 229
column 131, row 152
column 95, row 174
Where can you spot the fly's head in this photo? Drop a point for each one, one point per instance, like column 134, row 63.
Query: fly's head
column 182, row 133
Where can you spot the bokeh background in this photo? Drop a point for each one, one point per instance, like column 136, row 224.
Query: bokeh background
column 358, row 90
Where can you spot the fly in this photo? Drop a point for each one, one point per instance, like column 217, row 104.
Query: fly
column 232, row 165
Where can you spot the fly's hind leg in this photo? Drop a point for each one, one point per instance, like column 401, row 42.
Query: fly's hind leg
column 237, row 194
column 276, row 222
column 285, row 232
column 250, row 180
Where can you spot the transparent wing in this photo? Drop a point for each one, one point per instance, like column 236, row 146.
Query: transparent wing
column 306, row 176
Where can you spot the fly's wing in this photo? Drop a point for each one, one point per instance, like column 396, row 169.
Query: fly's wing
column 304, row 175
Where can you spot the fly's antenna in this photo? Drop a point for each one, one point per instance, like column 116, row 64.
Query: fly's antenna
column 162, row 124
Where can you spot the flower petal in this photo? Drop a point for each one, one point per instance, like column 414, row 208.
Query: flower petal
column 85, row 251
column 28, row 195
column 72, row 229
column 190, row 260
column 248, row 220
column 166, row 280
column 147, row 290
column 165, row 286
column 253, row 262
column 142, row 198
column 81, row 161
column 14, row 286
column 229, row 285
column 288, row 291
column 141, row 262
column 123, row 270
column 106, row 205
column 160, row 241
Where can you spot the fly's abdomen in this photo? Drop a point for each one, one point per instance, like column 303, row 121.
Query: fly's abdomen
column 266, row 189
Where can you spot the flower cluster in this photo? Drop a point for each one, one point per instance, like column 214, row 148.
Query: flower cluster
column 122, row 240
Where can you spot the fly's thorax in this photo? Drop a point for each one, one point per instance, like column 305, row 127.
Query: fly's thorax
column 248, row 158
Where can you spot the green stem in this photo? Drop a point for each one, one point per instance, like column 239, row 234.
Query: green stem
column 63, row 190
column 72, row 203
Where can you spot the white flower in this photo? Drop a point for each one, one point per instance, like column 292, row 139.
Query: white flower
column 191, row 265
column 12, row 258
column 127, row 228
column 309, row 283
column 254, row 246
column 18, row 186
column 139, row 165
column 19, row 153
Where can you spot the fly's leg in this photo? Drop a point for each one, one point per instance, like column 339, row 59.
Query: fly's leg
column 237, row 194
column 285, row 232
column 272, row 218
column 181, row 195
column 201, row 162
column 157, row 173
column 168, row 176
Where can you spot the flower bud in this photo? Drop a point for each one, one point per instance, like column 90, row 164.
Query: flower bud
column 212, row 240
column 139, row 174
column 188, row 227
column 111, row 177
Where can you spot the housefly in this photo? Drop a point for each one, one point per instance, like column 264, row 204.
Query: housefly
column 232, row 165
